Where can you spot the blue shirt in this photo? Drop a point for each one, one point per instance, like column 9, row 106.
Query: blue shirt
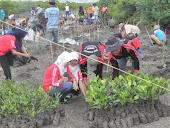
column 2, row 14
column 52, row 14
column 160, row 35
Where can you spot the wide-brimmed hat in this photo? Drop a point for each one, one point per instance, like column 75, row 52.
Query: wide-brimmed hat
column 113, row 44
column 156, row 27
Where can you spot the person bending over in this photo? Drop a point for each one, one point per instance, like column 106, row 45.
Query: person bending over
column 119, row 50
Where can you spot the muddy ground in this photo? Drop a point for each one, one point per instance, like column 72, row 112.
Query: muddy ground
column 33, row 72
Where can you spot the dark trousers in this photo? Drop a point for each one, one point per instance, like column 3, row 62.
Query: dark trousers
column 98, row 71
column 7, row 61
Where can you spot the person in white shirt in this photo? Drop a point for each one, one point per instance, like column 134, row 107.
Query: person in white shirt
column 39, row 11
column 128, row 30
column 96, row 13
column 67, row 10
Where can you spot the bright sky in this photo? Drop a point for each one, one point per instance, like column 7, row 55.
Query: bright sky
column 78, row 1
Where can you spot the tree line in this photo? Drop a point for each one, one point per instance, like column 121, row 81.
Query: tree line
column 133, row 11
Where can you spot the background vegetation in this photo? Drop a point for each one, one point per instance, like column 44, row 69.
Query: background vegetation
column 148, row 11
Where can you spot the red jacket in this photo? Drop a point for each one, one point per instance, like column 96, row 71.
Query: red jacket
column 7, row 43
column 135, row 42
column 52, row 77
column 97, row 49
column 77, row 74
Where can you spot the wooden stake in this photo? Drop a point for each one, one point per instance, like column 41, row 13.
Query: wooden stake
column 163, row 55
column 71, row 38
column 94, row 34
column 63, row 41
column 82, row 35
column 89, row 33
column 148, row 34
column 98, row 32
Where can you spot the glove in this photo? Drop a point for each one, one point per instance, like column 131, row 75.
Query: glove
column 136, row 71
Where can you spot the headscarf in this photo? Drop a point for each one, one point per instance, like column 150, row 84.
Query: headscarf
column 74, row 69
column 19, row 34
column 63, row 58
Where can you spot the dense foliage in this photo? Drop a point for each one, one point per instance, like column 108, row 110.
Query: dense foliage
column 22, row 100
column 148, row 11
column 133, row 11
column 124, row 89
column 13, row 7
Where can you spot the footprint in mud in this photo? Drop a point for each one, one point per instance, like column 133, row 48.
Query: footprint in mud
column 168, row 64
column 24, row 75
column 32, row 69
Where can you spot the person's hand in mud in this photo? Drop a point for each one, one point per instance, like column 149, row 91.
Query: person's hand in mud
column 27, row 55
column 63, row 79
column 75, row 86
column 86, row 84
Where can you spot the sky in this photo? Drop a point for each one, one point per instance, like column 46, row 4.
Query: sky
column 63, row 1
column 80, row 1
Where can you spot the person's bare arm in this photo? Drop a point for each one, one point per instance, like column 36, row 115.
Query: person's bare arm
column 75, row 86
column 22, row 54
column 45, row 21
column 24, row 50
column 1, row 69
column 82, row 87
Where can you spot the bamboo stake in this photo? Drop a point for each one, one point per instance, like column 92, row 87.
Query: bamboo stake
column 163, row 55
column 89, row 34
column 148, row 34
column 139, row 22
column 108, row 59
column 71, row 38
column 63, row 41
column 98, row 32
column 51, row 50
column 82, row 35
column 35, row 36
column 94, row 33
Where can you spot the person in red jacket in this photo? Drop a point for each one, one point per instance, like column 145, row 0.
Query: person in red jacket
column 7, row 52
column 133, row 41
column 91, row 48
column 119, row 50
column 54, row 80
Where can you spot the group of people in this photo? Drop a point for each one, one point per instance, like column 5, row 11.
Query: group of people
column 91, row 14
column 70, row 70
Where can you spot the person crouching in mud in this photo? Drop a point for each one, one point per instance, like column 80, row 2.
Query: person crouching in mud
column 7, row 52
column 118, row 52
column 158, row 38
column 54, row 80
column 75, row 69
column 89, row 67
